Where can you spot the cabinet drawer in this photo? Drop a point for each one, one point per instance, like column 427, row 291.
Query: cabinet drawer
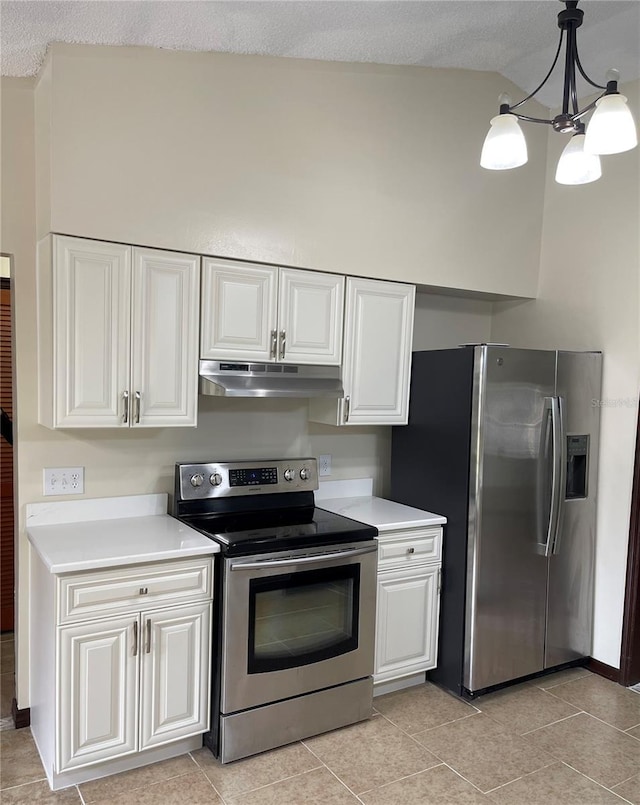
column 403, row 548
column 96, row 594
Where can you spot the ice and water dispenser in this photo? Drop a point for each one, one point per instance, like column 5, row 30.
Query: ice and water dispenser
column 577, row 466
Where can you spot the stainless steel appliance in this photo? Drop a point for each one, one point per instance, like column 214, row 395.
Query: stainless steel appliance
column 504, row 443
column 253, row 379
column 295, row 603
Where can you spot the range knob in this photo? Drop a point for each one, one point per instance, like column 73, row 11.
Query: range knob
column 304, row 474
column 215, row 479
column 197, row 479
column 289, row 475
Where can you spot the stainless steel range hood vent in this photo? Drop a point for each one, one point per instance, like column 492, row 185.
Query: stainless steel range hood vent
column 249, row 379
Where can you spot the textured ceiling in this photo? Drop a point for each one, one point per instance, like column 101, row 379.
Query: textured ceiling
column 516, row 38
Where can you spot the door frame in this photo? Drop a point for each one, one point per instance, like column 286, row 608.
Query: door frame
column 630, row 648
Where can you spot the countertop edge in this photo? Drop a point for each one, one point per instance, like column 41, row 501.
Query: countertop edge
column 120, row 561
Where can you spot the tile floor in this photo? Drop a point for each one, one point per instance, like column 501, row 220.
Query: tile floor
column 571, row 738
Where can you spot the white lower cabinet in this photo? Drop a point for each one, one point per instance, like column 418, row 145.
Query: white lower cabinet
column 174, row 678
column 130, row 685
column 408, row 603
column 98, row 702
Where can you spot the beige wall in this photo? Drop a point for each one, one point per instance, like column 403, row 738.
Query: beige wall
column 17, row 237
column 443, row 322
column 589, row 298
column 354, row 168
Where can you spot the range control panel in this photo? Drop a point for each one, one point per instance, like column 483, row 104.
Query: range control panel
column 222, row 479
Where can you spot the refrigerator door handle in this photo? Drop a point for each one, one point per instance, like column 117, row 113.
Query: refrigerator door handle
column 557, row 424
column 562, row 475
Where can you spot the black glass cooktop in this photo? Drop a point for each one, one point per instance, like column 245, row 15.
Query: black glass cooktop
column 243, row 533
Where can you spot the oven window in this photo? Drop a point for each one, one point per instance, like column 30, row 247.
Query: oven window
column 299, row 618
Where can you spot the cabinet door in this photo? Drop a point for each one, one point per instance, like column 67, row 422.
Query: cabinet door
column 407, row 614
column 238, row 311
column 91, row 293
column 164, row 324
column 175, row 674
column 97, row 684
column 377, row 359
column 310, row 317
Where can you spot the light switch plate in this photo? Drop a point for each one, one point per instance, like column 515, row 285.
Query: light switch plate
column 63, row 481
column 324, row 465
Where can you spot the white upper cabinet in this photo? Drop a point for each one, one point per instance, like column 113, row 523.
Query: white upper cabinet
column 252, row 312
column 117, row 335
column 310, row 323
column 239, row 311
column 164, row 326
column 376, row 367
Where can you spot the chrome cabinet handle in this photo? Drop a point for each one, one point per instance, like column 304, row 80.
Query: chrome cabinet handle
column 135, row 638
column 283, row 343
column 144, row 590
column 138, row 396
column 347, row 408
column 125, row 401
column 274, row 344
column 411, row 550
column 148, row 627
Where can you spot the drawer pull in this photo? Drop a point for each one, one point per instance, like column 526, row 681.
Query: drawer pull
column 411, row 550
column 148, row 649
column 135, row 638
column 144, row 590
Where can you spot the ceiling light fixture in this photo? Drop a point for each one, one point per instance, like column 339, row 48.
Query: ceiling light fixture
column 611, row 129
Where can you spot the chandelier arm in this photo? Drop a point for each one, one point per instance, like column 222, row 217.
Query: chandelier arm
column 545, row 79
column 584, row 75
column 531, row 119
column 586, row 109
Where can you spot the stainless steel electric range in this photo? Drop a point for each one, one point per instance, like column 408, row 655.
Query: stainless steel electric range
column 295, row 603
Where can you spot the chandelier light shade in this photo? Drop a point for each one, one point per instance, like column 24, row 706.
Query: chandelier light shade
column 611, row 129
column 505, row 146
column 575, row 165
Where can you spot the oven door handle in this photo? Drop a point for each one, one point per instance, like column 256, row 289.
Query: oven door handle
column 300, row 560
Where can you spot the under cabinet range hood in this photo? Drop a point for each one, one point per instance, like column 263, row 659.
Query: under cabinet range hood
column 250, row 379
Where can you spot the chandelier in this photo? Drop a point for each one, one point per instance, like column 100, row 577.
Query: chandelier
column 611, row 129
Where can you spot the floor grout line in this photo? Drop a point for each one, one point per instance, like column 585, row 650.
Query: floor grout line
column 515, row 780
column 426, row 729
column 559, row 721
column 400, row 779
column 613, row 726
column 351, row 791
column 273, row 782
column 606, row 788
column 462, row 777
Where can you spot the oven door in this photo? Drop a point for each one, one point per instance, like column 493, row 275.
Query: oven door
column 297, row 622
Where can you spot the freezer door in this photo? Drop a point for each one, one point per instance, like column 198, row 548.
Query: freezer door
column 572, row 563
column 509, row 511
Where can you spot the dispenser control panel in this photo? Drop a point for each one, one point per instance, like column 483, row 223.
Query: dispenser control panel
column 577, row 466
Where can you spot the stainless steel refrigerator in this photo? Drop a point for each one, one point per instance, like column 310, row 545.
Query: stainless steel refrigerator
column 504, row 443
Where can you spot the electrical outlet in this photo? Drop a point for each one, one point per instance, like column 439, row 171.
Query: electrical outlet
column 63, row 481
column 324, row 465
